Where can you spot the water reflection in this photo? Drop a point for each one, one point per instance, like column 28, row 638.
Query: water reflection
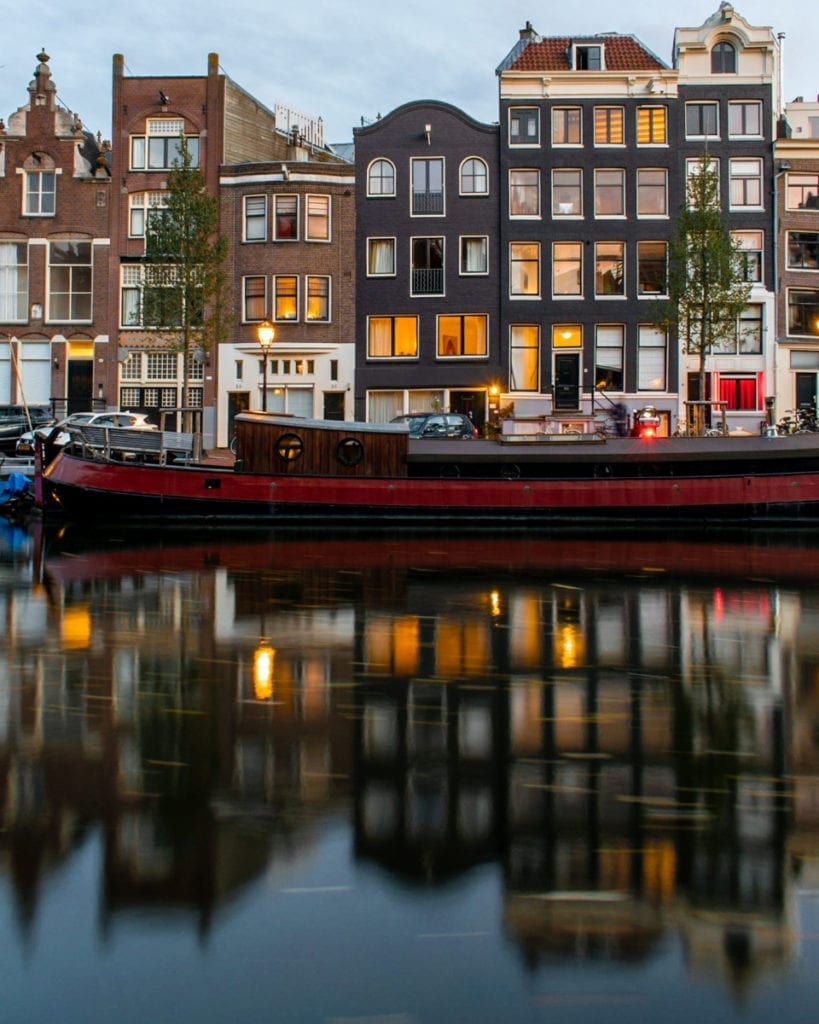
column 624, row 731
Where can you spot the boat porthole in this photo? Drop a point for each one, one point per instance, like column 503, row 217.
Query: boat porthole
column 450, row 472
column 350, row 451
column 289, row 447
column 511, row 472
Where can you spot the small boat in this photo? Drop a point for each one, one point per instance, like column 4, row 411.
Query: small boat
column 299, row 471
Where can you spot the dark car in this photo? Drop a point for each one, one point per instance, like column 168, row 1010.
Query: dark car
column 438, row 424
column 17, row 419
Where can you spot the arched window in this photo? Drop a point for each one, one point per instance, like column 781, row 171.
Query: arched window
column 723, row 59
column 474, row 177
column 381, row 178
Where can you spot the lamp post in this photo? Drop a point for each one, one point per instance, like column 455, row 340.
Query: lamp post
column 267, row 333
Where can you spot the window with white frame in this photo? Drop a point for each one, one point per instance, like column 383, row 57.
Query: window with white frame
column 652, row 192
column 702, row 120
column 143, row 207
column 747, row 339
column 13, row 282
column 285, row 218
column 694, row 167
column 474, row 254
column 745, row 119
column 652, row 268
column 802, row 191
column 524, row 357
column 567, row 268
column 474, row 177
column 464, row 335
column 524, row 126
column 392, row 337
column 40, row 197
column 70, row 282
column 749, row 244
column 567, row 192
column 380, row 257
column 162, row 366
column 161, row 145
column 588, row 57
column 286, row 297
column 651, row 358
column 723, row 59
column 739, row 392
column 609, row 192
column 608, row 357
column 803, row 312
column 524, row 269
column 255, row 218
column 427, row 186
column 746, row 183
column 609, row 269
column 381, row 178
column 524, row 192
column 427, row 266
column 317, row 309
column 802, row 250
column 131, row 368
column 567, row 126
column 318, row 219
column 652, row 126
column 254, row 291
column 150, row 300
column 609, row 127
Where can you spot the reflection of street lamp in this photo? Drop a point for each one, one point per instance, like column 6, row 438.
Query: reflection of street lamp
column 263, row 659
column 266, row 332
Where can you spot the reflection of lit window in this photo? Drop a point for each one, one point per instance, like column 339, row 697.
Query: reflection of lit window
column 568, row 652
column 391, row 645
column 461, row 648
column 76, row 628
column 525, row 631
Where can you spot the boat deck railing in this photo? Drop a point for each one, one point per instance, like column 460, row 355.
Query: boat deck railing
column 122, row 444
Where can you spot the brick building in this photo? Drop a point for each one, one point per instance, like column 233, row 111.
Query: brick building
column 55, row 195
column 291, row 225
column 427, row 197
column 796, row 174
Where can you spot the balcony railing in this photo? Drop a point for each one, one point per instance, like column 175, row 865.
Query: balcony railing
column 428, row 282
column 428, row 202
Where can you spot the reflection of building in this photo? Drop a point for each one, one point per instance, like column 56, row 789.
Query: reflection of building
column 618, row 749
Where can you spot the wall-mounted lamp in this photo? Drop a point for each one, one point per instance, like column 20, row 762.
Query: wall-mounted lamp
column 782, row 166
column 56, row 363
column 428, row 133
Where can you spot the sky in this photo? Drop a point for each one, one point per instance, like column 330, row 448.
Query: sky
column 340, row 60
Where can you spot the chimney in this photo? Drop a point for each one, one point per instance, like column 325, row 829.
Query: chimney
column 528, row 34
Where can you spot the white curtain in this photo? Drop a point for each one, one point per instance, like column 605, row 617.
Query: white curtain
column 9, row 281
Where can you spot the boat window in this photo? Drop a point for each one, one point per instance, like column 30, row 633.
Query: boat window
column 289, row 447
column 350, row 451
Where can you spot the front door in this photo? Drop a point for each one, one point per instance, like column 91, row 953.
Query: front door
column 471, row 404
column 80, row 385
column 567, row 381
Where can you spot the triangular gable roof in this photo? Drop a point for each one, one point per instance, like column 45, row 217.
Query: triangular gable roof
column 623, row 53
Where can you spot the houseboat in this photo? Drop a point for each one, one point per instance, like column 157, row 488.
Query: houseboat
column 297, row 471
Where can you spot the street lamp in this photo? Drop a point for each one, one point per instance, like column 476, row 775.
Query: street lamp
column 267, row 333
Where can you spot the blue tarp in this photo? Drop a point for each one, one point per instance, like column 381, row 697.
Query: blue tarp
column 15, row 485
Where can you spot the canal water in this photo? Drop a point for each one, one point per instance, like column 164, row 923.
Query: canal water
column 408, row 780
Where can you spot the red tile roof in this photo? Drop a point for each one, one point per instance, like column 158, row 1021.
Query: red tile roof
column 622, row 53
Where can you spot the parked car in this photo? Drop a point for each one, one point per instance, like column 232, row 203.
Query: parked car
column 126, row 420
column 438, row 424
column 17, row 419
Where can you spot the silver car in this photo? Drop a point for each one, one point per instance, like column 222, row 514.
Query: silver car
column 127, row 420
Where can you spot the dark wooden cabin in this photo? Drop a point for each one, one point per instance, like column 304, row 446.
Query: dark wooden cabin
column 285, row 445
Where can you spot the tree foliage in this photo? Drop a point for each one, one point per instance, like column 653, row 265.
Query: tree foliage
column 707, row 291
column 185, row 289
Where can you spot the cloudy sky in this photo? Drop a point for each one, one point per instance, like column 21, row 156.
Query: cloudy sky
column 342, row 60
